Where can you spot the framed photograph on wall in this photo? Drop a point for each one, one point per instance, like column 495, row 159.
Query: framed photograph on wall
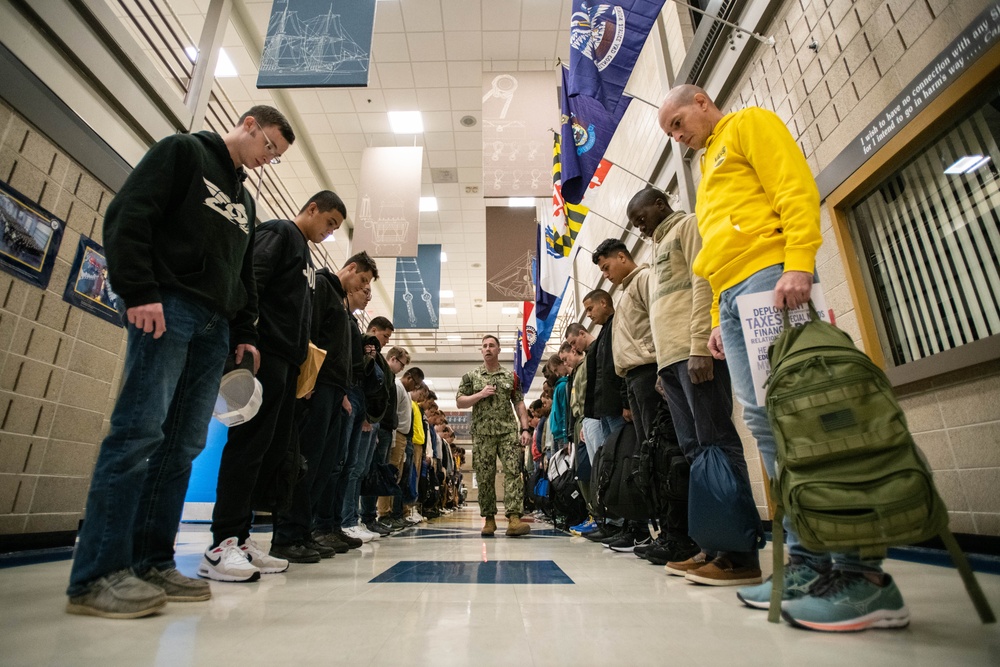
column 30, row 237
column 88, row 287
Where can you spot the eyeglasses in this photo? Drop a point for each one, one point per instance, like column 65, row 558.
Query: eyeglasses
column 270, row 146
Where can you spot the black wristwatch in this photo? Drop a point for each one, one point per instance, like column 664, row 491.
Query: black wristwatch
column 525, row 430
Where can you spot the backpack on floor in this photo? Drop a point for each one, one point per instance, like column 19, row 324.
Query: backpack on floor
column 849, row 475
column 663, row 473
column 716, row 490
column 618, row 491
column 568, row 506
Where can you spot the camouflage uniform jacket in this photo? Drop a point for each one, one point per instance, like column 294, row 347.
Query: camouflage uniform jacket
column 493, row 415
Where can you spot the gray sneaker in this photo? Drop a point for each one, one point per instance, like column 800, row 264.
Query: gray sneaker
column 118, row 595
column 178, row 587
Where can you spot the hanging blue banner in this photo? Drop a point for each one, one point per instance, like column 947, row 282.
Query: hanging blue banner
column 418, row 289
column 317, row 43
column 605, row 41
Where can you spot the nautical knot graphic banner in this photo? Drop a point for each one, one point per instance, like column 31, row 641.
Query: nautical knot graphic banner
column 510, row 252
column 418, row 289
column 386, row 220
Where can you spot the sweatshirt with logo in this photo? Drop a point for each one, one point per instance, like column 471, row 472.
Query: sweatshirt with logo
column 183, row 222
column 286, row 279
column 758, row 204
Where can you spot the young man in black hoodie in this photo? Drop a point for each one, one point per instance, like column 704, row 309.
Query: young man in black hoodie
column 257, row 451
column 179, row 240
column 325, row 411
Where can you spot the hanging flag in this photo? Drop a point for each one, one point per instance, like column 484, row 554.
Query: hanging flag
column 605, row 41
column 586, row 131
column 556, row 249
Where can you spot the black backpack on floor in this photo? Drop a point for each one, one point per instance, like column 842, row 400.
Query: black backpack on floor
column 618, row 490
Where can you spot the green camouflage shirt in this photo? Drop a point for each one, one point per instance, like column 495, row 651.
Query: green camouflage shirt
column 493, row 415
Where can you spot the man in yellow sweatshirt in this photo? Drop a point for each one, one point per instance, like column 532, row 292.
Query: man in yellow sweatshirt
column 758, row 215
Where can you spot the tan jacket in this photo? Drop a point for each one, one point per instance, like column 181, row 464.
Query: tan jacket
column 631, row 336
column 680, row 302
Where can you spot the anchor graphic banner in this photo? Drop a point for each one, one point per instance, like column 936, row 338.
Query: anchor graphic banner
column 518, row 110
column 417, row 300
column 386, row 220
column 317, row 43
column 511, row 252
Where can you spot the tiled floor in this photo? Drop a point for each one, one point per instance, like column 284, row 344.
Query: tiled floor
column 388, row 604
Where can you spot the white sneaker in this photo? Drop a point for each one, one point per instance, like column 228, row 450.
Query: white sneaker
column 260, row 558
column 227, row 562
column 375, row 535
column 358, row 534
column 414, row 517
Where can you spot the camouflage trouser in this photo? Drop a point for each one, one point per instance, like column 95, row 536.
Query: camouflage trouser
column 484, row 463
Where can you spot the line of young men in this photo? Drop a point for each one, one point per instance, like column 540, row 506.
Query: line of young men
column 677, row 329
column 200, row 283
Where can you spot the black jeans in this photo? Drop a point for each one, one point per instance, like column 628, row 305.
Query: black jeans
column 320, row 435
column 703, row 416
column 255, row 449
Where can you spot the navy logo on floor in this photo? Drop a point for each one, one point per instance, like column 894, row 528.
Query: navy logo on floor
column 474, row 572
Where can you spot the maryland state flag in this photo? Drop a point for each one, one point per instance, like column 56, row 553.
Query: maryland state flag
column 556, row 246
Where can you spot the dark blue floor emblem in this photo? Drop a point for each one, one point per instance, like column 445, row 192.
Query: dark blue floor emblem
column 474, row 572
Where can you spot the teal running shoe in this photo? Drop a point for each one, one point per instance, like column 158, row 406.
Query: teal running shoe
column 844, row 601
column 799, row 578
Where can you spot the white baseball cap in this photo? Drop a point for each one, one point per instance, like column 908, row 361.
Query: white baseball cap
column 240, row 395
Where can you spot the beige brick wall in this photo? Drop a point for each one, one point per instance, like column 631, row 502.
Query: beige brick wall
column 59, row 366
column 868, row 51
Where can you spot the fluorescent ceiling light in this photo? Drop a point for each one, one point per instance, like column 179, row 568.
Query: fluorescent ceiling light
column 507, row 338
column 454, row 337
column 509, row 310
column 406, row 122
column 447, row 294
column 429, row 382
column 449, row 311
column 444, row 257
column 516, row 202
column 428, row 203
column 978, row 164
column 224, row 68
column 966, row 164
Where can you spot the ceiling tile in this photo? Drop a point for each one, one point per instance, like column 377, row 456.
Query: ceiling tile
column 500, row 44
column 438, row 159
column 468, row 45
column 425, row 46
column 352, row 142
column 421, row 15
column 431, row 75
column 539, row 45
column 401, row 99
column 470, row 158
column 434, row 99
column 439, row 141
column 535, row 13
column 438, row 121
column 466, row 98
column 502, row 15
column 341, row 123
column 467, row 141
column 367, row 100
column 465, row 73
column 316, row 123
column 395, row 75
column 374, row 122
column 461, row 15
column 388, row 17
column 388, row 47
column 335, row 101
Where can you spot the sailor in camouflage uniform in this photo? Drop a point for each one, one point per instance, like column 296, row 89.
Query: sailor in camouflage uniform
column 491, row 391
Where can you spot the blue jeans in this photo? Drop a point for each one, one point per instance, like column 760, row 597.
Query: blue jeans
column 609, row 425
column 358, row 464
column 383, row 443
column 756, row 416
column 593, row 436
column 329, row 512
column 158, row 426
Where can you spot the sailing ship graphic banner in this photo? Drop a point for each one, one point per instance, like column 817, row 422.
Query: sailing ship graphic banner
column 317, row 43
column 418, row 289
column 386, row 221
column 511, row 252
column 518, row 110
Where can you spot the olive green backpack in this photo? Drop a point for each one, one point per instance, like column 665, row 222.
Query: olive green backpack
column 849, row 475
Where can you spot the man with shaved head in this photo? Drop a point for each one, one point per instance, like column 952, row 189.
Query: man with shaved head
column 758, row 216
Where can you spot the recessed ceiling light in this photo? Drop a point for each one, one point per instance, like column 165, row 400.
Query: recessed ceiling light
column 509, row 310
column 406, row 122
column 447, row 294
column 224, row 67
column 519, row 202
column 449, row 311
column 428, row 204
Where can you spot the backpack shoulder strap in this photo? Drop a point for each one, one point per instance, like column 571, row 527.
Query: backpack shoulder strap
column 778, row 554
column 968, row 578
